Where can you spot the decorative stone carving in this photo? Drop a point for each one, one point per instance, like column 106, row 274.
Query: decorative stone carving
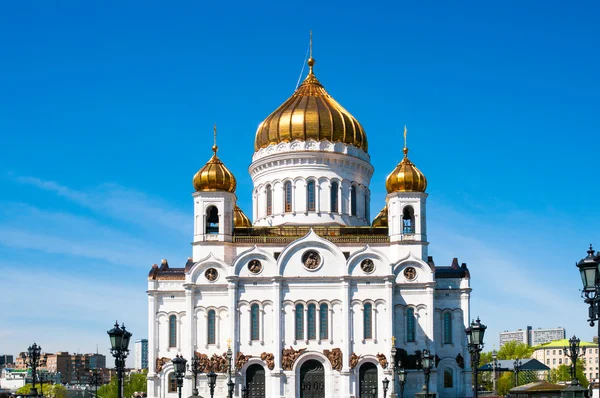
column 367, row 265
column 311, row 259
column 289, row 356
column 335, row 356
column 354, row 360
column 382, row 360
column 410, row 273
column 460, row 361
column 268, row 359
column 160, row 362
column 241, row 360
column 255, row 266
column 205, row 364
column 219, row 364
column 211, row 274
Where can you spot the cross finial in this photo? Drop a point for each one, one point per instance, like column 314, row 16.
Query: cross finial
column 311, row 60
column 393, row 341
column 228, row 343
column 405, row 150
column 215, row 148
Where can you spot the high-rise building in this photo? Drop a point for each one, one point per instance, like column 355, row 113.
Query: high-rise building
column 314, row 292
column 141, row 354
column 532, row 337
column 6, row 359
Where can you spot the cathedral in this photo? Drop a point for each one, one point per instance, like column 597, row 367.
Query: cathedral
column 312, row 296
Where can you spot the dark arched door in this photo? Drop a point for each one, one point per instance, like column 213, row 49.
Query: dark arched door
column 312, row 380
column 255, row 381
column 368, row 381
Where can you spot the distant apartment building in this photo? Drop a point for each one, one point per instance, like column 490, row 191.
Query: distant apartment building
column 553, row 355
column 5, row 360
column 72, row 368
column 533, row 337
column 141, row 354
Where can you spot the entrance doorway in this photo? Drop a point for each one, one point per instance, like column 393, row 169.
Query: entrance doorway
column 312, row 379
column 255, row 381
column 368, row 381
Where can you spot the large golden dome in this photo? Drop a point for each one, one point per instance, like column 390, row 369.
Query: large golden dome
column 310, row 114
column 240, row 220
column 381, row 220
column 406, row 177
column 214, row 176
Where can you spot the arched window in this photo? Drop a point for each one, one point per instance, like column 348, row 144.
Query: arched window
column 172, row 382
column 334, row 197
column 269, row 200
column 448, row 378
column 410, row 325
column 212, row 220
column 312, row 322
column 447, row 328
column 299, row 322
column 368, row 321
column 287, row 187
column 367, row 212
column 211, row 327
column 310, row 196
column 323, row 321
column 254, row 314
column 408, row 220
column 353, row 200
column 172, row 331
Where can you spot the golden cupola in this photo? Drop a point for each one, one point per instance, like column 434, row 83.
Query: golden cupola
column 214, row 176
column 310, row 114
column 381, row 220
column 240, row 220
column 406, row 177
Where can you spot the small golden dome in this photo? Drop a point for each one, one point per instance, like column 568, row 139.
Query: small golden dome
column 240, row 220
column 381, row 220
column 406, row 177
column 310, row 114
column 214, row 176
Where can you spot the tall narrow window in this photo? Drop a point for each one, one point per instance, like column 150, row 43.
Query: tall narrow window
column 212, row 220
column 368, row 321
column 410, row 325
column 269, row 200
column 367, row 212
column 448, row 378
column 211, row 327
column 254, row 314
column 334, row 197
column 312, row 322
column 310, row 196
column 353, row 200
column 408, row 220
column 299, row 322
column 447, row 328
column 288, row 196
column 172, row 331
column 172, row 382
column 323, row 321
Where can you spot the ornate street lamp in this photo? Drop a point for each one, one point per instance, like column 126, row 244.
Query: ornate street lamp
column 572, row 351
column 401, row 378
column 495, row 374
column 119, row 348
column 179, row 363
column 244, row 392
column 427, row 362
column 517, row 367
column 95, row 380
column 475, row 335
column 386, row 384
column 32, row 360
column 196, row 369
column 230, row 383
column 212, row 382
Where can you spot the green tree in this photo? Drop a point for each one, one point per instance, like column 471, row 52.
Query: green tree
column 514, row 350
column 563, row 373
column 136, row 382
column 505, row 382
column 45, row 389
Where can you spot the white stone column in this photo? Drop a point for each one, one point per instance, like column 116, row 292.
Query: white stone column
column 347, row 345
column 330, row 324
column 232, row 310
column 152, row 336
column 278, row 320
column 305, row 324
column 389, row 334
column 318, row 323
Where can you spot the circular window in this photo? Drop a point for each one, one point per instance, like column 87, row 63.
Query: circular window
column 367, row 265
column 211, row 274
column 410, row 273
column 311, row 259
column 255, row 266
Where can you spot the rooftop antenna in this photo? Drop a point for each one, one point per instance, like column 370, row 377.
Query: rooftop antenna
column 308, row 51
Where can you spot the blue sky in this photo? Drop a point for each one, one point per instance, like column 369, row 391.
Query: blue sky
column 107, row 112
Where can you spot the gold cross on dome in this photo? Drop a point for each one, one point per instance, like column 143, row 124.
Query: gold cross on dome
column 228, row 343
column 393, row 341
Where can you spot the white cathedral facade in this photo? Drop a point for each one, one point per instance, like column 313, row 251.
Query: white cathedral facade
column 312, row 294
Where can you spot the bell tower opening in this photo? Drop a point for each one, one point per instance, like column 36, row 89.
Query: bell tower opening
column 212, row 220
column 408, row 220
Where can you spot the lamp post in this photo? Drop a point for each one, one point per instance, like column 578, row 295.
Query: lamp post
column 427, row 364
column 244, row 392
column 386, row 384
column 212, row 381
column 494, row 374
column 196, row 369
column 475, row 334
column 32, row 360
column 589, row 268
column 401, row 378
column 572, row 351
column 179, row 364
column 119, row 348
column 517, row 366
column 95, row 376
column 230, row 383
